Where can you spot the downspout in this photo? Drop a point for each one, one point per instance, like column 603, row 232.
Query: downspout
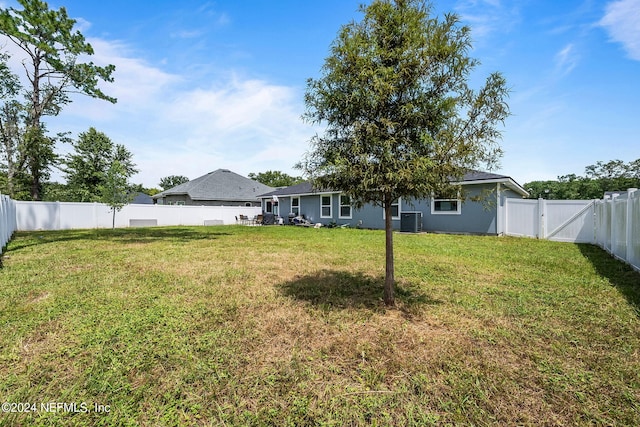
column 500, row 214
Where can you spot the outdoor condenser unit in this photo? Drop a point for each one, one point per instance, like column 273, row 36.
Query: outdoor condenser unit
column 411, row 222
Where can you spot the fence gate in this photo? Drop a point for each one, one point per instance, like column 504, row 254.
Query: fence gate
column 559, row 220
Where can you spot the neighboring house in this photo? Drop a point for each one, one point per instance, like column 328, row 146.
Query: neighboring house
column 480, row 212
column 218, row 188
column 141, row 199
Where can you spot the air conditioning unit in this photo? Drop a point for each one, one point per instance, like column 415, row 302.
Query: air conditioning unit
column 411, row 222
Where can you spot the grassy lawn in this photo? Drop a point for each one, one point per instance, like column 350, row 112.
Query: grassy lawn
column 286, row 326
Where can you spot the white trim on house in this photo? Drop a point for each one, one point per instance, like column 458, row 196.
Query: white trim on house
column 499, row 210
column 458, row 210
column 295, row 207
column 330, row 205
column 508, row 182
column 275, row 208
column 399, row 203
column 301, row 194
column 340, row 206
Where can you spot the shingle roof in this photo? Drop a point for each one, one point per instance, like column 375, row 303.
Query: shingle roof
column 307, row 188
column 481, row 176
column 221, row 184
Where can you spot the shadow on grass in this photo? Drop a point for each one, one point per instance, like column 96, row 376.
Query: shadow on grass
column 619, row 274
column 330, row 289
column 119, row 235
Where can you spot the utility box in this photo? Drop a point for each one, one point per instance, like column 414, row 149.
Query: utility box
column 411, row 222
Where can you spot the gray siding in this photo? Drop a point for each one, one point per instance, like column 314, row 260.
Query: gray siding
column 476, row 216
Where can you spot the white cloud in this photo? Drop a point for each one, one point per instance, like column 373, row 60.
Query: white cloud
column 566, row 60
column 622, row 22
column 174, row 125
column 486, row 17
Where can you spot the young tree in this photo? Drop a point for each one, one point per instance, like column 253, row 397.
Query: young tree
column 401, row 120
column 53, row 72
column 172, row 181
column 115, row 189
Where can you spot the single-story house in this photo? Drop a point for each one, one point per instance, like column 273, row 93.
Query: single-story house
column 218, row 188
column 481, row 211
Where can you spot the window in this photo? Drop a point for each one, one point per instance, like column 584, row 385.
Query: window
column 345, row 206
column 325, row 206
column 446, row 206
column 295, row 206
column 180, row 203
column 271, row 207
column 395, row 210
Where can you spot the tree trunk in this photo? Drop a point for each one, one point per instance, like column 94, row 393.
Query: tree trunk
column 389, row 297
column 35, row 184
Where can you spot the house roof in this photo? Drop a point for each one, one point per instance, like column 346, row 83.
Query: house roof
column 221, row 184
column 141, row 199
column 472, row 177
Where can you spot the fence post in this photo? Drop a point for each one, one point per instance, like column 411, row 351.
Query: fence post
column 541, row 218
column 629, row 255
column 613, row 226
column 4, row 222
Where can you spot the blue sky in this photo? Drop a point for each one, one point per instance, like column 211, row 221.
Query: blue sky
column 203, row 85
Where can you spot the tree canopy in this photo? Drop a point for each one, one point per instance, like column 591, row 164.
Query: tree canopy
column 275, row 178
column 401, row 120
column 87, row 166
column 172, row 181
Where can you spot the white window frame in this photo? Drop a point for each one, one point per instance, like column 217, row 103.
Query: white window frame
column 399, row 203
column 297, row 213
column 274, row 207
column 458, row 210
column 330, row 205
column 340, row 206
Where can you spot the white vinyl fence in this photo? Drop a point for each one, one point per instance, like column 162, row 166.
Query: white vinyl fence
column 65, row 216
column 617, row 224
column 611, row 223
column 8, row 222
column 559, row 220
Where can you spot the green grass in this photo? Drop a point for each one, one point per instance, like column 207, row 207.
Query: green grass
column 286, row 326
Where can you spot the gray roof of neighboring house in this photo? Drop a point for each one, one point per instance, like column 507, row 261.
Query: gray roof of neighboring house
column 221, row 184
column 141, row 199
column 470, row 177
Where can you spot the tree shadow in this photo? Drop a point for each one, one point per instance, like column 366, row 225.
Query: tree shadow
column 339, row 290
column 619, row 274
column 119, row 235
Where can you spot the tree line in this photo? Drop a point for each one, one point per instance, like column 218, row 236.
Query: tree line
column 614, row 175
column 97, row 169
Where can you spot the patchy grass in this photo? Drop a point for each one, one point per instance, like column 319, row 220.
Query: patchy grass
column 286, row 326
